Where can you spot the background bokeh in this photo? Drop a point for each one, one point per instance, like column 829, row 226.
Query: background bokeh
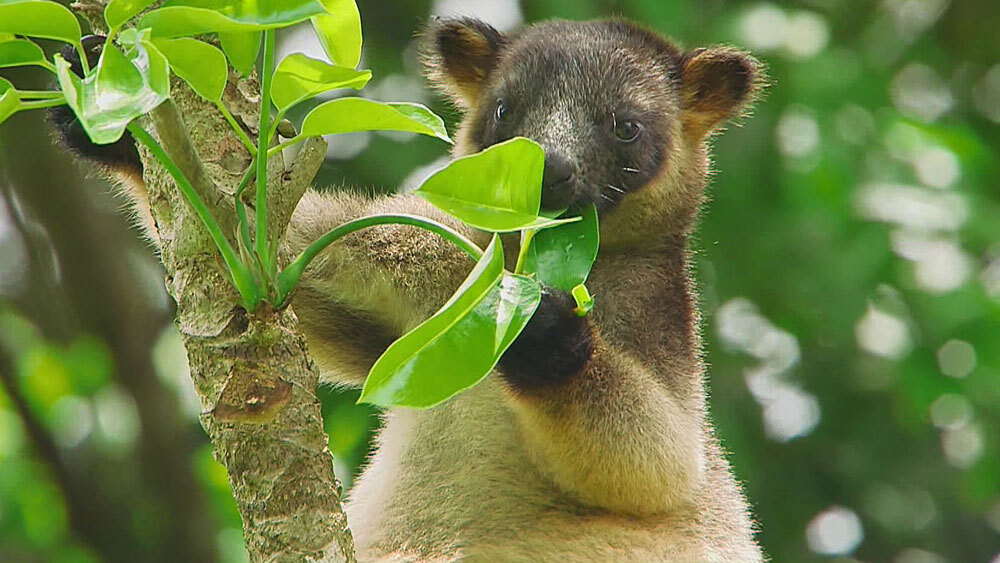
column 849, row 267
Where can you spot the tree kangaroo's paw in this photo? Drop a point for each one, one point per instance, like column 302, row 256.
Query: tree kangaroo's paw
column 555, row 346
column 120, row 156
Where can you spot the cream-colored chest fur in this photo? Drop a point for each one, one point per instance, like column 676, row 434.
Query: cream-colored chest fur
column 457, row 483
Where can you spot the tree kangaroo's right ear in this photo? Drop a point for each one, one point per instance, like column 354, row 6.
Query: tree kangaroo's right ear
column 459, row 55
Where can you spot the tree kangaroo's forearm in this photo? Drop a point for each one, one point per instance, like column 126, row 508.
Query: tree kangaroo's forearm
column 370, row 287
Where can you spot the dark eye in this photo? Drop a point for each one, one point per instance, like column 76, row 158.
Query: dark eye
column 502, row 115
column 627, row 130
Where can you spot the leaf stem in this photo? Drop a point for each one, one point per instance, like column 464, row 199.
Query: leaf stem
column 241, row 210
column 289, row 277
column 522, row 254
column 247, row 142
column 240, row 275
column 83, row 57
column 42, row 104
column 46, row 94
column 263, row 138
column 276, row 149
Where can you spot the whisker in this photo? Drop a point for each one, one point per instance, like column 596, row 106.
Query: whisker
column 615, row 188
column 606, row 197
column 630, row 169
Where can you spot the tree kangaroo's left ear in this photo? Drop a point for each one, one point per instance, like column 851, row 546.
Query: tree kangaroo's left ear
column 459, row 55
column 717, row 83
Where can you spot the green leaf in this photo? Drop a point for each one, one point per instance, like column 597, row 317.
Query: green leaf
column 181, row 18
column 339, row 31
column 120, row 90
column 241, row 47
column 21, row 52
column 562, row 257
column 584, row 302
column 498, row 189
column 120, row 11
column 298, row 78
column 458, row 346
column 9, row 101
column 201, row 65
column 347, row 115
column 39, row 18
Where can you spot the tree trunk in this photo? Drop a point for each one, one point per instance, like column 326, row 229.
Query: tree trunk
column 251, row 370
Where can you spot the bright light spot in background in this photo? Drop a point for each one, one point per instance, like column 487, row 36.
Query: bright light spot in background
column 788, row 411
column 919, row 92
column 117, row 417
column 962, row 446
column 882, row 334
column 764, row 27
column 72, row 420
column 993, row 517
column 914, row 555
column 798, row 133
column 909, row 510
column 299, row 38
column 913, row 207
column 986, row 94
column 800, row 35
column 996, row 558
column 421, row 173
column 912, row 17
column 348, row 145
column 990, row 276
column 171, row 365
column 951, row 411
column 13, row 255
column 940, row 265
column 806, row 34
column 936, row 167
column 956, row 358
column 501, row 14
column 398, row 88
column 835, row 531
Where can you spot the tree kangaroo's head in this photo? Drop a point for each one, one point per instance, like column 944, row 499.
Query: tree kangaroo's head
column 619, row 109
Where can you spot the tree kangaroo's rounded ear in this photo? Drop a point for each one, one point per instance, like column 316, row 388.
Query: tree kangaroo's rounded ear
column 459, row 55
column 717, row 83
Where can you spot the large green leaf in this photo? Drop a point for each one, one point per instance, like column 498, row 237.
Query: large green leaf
column 21, row 52
column 562, row 257
column 241, row 47
column 39, row 18
column 298, row 78
column 201, row 65
column 458, row 346
column 347, row 115
column 339, row 31
column 498, row 189
column 120, row 90
column 9, row 102
column 120, row 11
column 180, row 18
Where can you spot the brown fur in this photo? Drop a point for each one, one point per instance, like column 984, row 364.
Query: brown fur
column 620, row 464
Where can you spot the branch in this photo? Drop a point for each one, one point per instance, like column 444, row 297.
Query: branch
column 294, row 183
column 171, row 130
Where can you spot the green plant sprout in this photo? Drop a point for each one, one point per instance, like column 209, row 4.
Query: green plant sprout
column 497, row 190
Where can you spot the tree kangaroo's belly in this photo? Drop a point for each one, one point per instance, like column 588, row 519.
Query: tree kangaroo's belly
column 454, row 483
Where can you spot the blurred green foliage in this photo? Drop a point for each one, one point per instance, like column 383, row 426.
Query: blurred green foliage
column 849, row 265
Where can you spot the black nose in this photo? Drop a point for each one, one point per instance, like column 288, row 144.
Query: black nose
column 558, row 181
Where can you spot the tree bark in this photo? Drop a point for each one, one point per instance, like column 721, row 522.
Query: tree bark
column 251, row 370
